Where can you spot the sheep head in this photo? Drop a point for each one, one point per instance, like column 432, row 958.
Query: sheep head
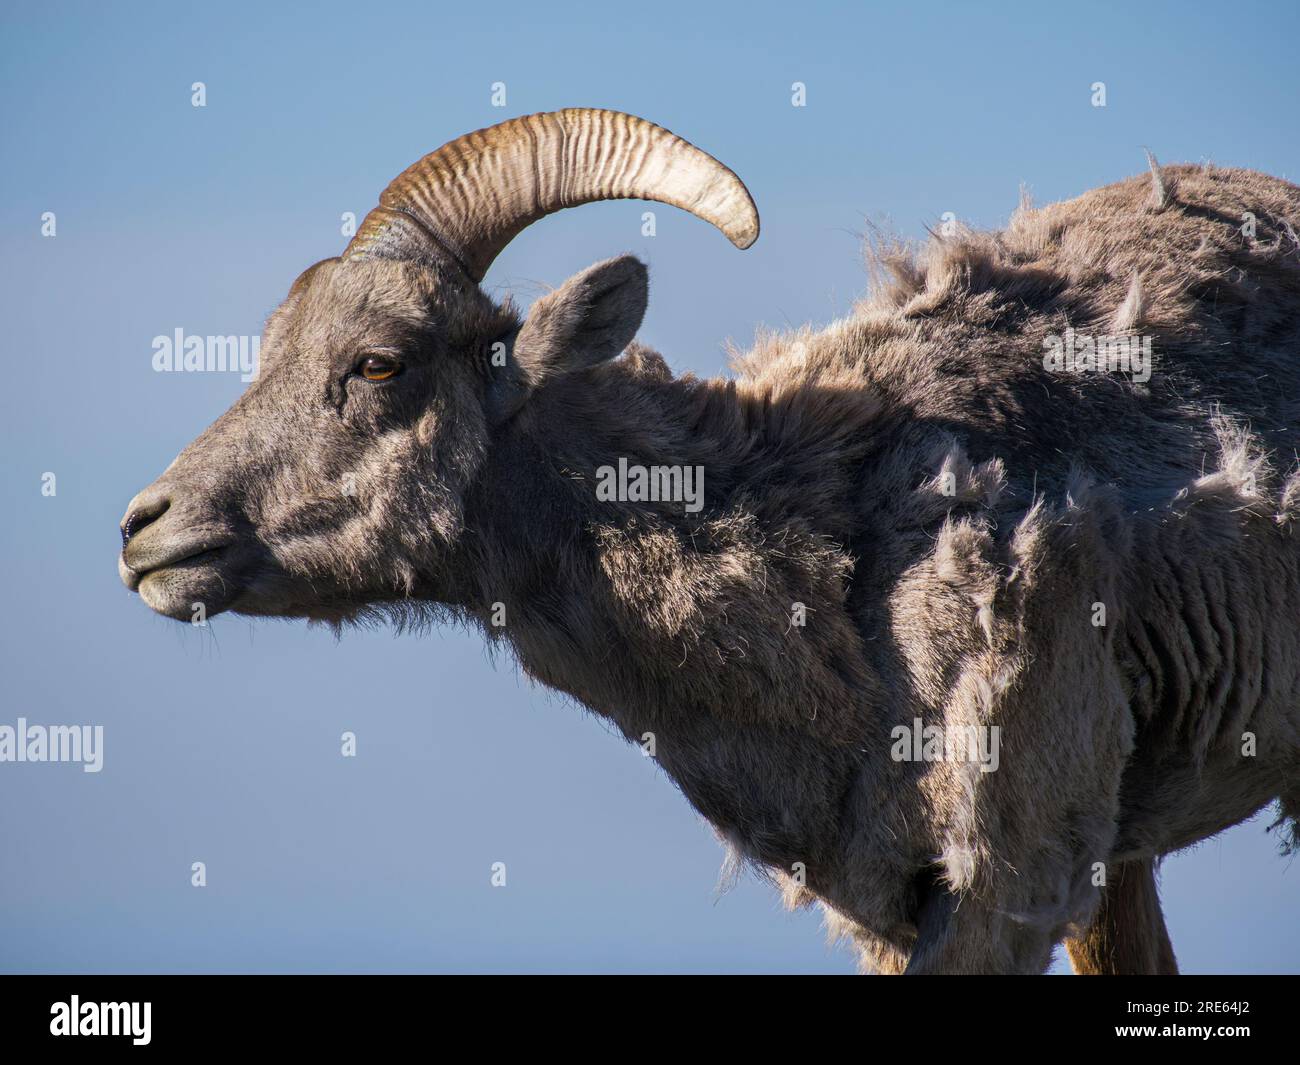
column 336, row 482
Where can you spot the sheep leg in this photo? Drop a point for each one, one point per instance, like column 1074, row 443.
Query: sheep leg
column 966, row 936
column 1127, row 937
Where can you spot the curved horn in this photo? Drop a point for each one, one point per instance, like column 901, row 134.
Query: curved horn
column 474, row 195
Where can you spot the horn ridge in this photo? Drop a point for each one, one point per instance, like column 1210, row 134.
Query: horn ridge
column 468, row 199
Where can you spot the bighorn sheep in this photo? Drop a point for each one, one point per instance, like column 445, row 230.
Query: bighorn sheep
column 951, row 514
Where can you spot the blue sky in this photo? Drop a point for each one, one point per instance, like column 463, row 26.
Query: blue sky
column 222, row 745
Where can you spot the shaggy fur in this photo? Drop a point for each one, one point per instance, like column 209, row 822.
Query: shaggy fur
column 947, row 511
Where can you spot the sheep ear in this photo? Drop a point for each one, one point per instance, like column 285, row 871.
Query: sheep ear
column 590, row 318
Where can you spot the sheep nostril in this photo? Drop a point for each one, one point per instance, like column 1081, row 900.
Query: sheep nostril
column 142, row 516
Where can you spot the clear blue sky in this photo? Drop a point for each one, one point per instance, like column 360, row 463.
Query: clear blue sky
column 222, row 745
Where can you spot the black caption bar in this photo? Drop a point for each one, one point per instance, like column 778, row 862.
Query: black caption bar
column 145, row 1014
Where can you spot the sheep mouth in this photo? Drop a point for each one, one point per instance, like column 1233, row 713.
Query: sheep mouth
column 199, row 583
column 188, row 559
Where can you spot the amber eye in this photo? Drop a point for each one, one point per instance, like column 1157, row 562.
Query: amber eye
column 375, row 368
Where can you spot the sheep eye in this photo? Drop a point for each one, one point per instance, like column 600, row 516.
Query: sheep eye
column 375, row 368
